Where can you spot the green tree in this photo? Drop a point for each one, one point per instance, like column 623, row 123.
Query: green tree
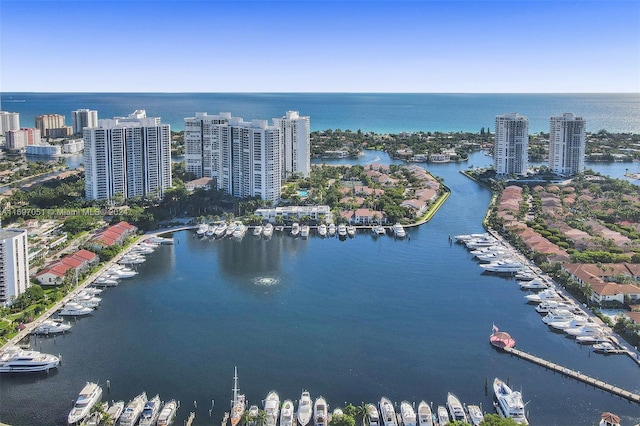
column 496, row 420
column 344, row 420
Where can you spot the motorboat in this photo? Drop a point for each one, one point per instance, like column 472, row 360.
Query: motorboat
column 475, row 415
column 220, row 230
column 131, row 259
column 133, row 410
column 295, row 229
column 121, row 272
column 257, row 230
column 408, row 414
column 230, row 229
column 584, row 330
column 51, row 327
column 304, row 231
column 342, row 230
column 468, row 237
column 202, row 229
column 609, row 419
column 549, row 305
column 532, row 285
column 115, row 411
column 378, row 230
column 577, row 321
column 605, row 348
column 351, row 231
column 493, row 256
column 503, row 266
column 425, row 416
column 74, row 309
column 239, row 402
column 150, row 412
column 286, row 414
column 253, row 413
column 337, row 412
column 305, row 409
column 240, row 230
column 168, row 413
column 524, row 276
column 320, row 412
column 211, row 229
column 443, row 415
column 544, row 295
column 593, row 339
column 477, row 243
column 322, row 230
column 557, row 315
column 272, row 408
column 92, row 291
column 387, row 412
column 267, row 231
column 87, row 398
column 509, row 403
column 372, row 415
column 14, row 359
column 105, row 281
column 93, row 419
column 398, row 231
column 497, row 248
column 456, row 411
column 331, row 230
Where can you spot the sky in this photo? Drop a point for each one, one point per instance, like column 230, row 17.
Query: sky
column 422, row 46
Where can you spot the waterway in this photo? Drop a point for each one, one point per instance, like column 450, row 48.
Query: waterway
column 350, row 320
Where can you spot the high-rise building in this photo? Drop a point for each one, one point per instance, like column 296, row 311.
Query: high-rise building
column 82, row 118
column 18, row 140
column 129, row 156
column 511, row 144
column 296, row 144
column 14, row 264
column 567, row 144
column 9, row 121
column 46, row 122
column 243, row 158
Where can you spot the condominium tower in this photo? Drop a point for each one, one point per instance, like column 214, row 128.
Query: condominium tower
column 567, row 144
column 9, row 121
column 129, row 156
column 243, row 158
column 296, row 145
column 14, row 264
column 511, row 144
column 82, row 118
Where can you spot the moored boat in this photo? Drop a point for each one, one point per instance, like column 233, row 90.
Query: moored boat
column 443, row 415
column 267, row 231
column 425, row 416
column 51, row 327
column 387, row 412
column 115, row 411
column 295, row 229
column 272, row 408
column 150, row 412
column 239, row 403
column 398, row 231
column 286, row 415
column 454, row 406
column 408, row 414
column 351, row 231
column 373, row 417
column 320, row 412
column 501, row 339
column 322, row 230
column 14, row 359
column 331, row 230
column 342, row 230
column 87, row 398
column 378, row 230
column 74, row 309
column 239, row 232
column 475, row 415
column 220, row 230
column 304, row 231
column 508, row 402
column 305, row 409
column 257, row 230
column 168, row 413
column 132, row 411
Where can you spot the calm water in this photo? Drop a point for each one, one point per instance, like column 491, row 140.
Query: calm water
column 350, row 320
column 382, row 113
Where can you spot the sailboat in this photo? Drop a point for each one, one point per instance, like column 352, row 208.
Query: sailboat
column 238, row 403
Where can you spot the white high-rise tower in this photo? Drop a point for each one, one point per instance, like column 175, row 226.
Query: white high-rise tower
column 567, row 144
column 511, row 144
column 82, row 118
column 14, row 264
column 296, row 144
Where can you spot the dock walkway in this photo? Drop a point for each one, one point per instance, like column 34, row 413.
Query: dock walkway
column 575, row 375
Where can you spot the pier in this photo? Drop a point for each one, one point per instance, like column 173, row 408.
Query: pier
column 633, row 397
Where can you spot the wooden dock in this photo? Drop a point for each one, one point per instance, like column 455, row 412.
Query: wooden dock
column 192, row 417
column 633, row 397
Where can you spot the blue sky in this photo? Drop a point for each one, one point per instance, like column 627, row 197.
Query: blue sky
column 328, row 46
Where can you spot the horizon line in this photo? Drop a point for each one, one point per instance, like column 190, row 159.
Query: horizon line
column 335, row 93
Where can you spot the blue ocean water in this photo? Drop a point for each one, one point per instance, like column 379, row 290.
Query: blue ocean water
column 350, row 320
column 377, row 112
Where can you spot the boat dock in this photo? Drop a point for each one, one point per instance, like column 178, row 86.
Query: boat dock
column 191, row 419
column 633, row 397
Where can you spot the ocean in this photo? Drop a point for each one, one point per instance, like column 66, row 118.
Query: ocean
column 376, row 112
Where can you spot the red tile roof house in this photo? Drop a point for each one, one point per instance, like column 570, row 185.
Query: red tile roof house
column 598, row 278
column 115, row 234
column 368, row 217
column 417, row 207
column 55, row 272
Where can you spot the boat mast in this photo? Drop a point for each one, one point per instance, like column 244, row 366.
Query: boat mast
column 235, row 384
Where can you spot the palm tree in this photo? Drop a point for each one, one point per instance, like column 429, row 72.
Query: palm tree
column 361, row 413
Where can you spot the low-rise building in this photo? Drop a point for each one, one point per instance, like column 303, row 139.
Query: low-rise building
column 294, row 212
column 115, row 234
column 202, row 183
column 55, row 272
column 44, row 150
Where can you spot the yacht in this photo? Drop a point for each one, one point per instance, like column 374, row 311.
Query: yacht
column 87, row 398
column 230, row 229
column 425, row 416
column 121, row 272
column 220, row 230
column 257, row 230
column 74, row 309
column 372, row 415
column 351, row 231
column 202, row 229
column 295, row 229
column 286, row 416
column 14, row 359
column 398, row 231
column 378, row 230
column 408, row 414
column 387, row 412
column 475, row 415
column 557, row 315
column 592, row 339
column 150, row 412
column 342, row 230
column 131, row 259
column 105, row 281
column 239, row 403
column 267, row 231
column 524, row 276
column 322, row 230
column 455, row 408
column 478, row 243
column 577, row 321
column 443, row 415
column 503, row 266
column 532, row 285
column 488, row 250
column 92, row 291
column 132, row 411
column 305, row 409
column 272, row 408
column 331, row 229
column 544, row 295
column 168, row 413
column 240, row 230
column 468, row 237
column 605, row 348
column 509, row 403
column 320, row 412
column 115, row 411
column 211, row 230
column 584, row 330
column 304, row 231
column 549, row 305
column 51, row 327
column 492, row 257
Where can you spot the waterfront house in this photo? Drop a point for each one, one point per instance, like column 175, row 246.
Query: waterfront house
column 55, row 272
column 115, row 234
column 368, row 217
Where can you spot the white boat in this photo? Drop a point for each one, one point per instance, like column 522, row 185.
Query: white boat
column 456, row 411
column 475, row 415
column 605, row 348
column 211, row 229
column 468, row 237
column 14, row 359
column 202, row 229
column 331, row 230
column 105, row 281
column 286, row 415
column 524, row 276
column 549, row 305
column 115, row 411
column 295, row 229
column 131, row 260
column 492, row 257
column 398, row 231
column 93, row 419
column 150, row 412
column 351, row 231
column 238, row 404
column 342, row 230
column 272, row 408
column 230, row 229
column 257, row 230
column 322, row 230
column 378, row 230
column 532, row 285
column 544, row 295
column 239, row 231
column 503, row 266
column 373, row 417
column 443, row 415
column 490, row 249
column 558, row 315
column 425, row 416
column 253, row 412
column 93, row 291
column 305, row 409
column 304, row 231
column 132, row 411
column 320, row 412
column 337, row 412
column 51, row 327
column 74, row 309
column 592, row 339
column 267, row 231
column 509, row 403
column 585, row 330
column 387, row 412
column 220, row 230
column 168, row 413
column 572, row 323
column 408, row 414
column 87, row 398
column 121, row 272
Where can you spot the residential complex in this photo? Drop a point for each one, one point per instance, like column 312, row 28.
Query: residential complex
column 82, row 118
column 9, row 121
column 567, row 144
column 128, row 156
column 14, row 264
column 511, row 144
column 243, row 158
column 52, row 126
column 18, row 140
column 296, row 144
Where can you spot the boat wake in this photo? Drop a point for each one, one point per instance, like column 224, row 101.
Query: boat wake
column 266, row 281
